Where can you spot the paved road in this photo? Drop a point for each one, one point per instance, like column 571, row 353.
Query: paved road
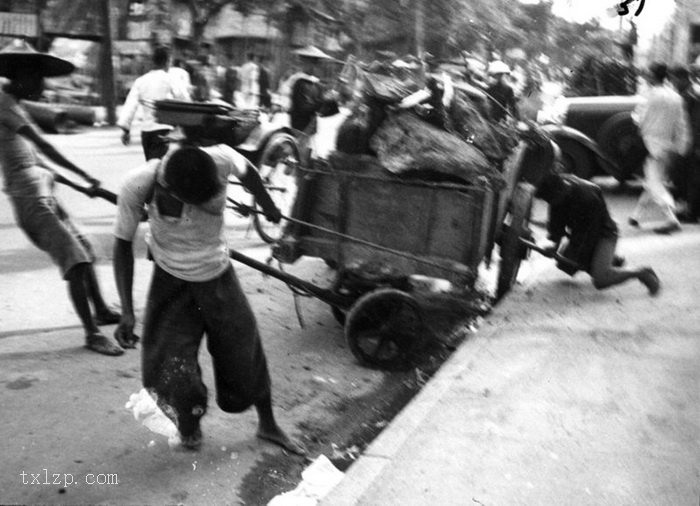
column 62, row 406
column 565, row 396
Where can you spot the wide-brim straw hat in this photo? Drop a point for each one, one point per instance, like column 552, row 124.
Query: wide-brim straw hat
column 19, row 55
column 312, row 52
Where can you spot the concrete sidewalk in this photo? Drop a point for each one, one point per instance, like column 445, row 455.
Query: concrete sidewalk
column 566, row 396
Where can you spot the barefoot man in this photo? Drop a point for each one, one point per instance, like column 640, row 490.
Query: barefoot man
column 194, row 290
column 29, row 183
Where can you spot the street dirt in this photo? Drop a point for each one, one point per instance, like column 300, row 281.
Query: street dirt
column 340, row 423
column 63, row 407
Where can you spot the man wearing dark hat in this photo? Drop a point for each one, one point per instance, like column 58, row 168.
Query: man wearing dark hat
column 30, row 188
column 504, row 103
column 305, row 88
column 194, row 289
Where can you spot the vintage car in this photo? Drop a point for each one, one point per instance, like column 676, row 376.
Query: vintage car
column 597, row 135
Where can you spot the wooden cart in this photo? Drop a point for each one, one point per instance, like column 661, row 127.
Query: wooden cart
column 387, row 235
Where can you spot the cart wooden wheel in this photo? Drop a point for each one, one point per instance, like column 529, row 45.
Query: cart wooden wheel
column 279, row 177
column 515, row 226
column 384, row 328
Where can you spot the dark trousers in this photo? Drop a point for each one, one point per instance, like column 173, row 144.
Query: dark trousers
column 685, row 178
column 693, row 191
column 178, row 315
column 154, row 143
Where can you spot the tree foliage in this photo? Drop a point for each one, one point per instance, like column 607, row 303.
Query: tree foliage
column 486, row 26
column 449, row 26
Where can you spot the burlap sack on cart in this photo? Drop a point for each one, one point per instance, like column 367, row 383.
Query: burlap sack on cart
column 405, row 144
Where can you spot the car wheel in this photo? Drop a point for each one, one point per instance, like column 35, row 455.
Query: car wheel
column 619, row 138
column 577, row 160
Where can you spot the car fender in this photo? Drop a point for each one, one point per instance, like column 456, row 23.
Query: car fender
column 605, row 163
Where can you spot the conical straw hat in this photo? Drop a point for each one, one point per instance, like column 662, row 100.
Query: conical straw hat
column 19, row 55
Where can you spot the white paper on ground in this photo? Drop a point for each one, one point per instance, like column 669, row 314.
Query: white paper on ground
column 146, row 411
column 317, row 480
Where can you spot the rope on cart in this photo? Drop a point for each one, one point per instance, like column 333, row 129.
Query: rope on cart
column 296, row 293
column 245, row 210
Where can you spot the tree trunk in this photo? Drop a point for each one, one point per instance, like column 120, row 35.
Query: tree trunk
column 420, row 28
column 106, row 69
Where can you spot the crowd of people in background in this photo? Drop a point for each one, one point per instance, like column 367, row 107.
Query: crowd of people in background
column 512, row 90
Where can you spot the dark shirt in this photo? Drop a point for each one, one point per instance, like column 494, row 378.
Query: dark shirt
column 230, row 84
column 502, row 97
column 264, row 85
column 306, row 100
column 437, row 114
column 581, row 214
column 691, row 100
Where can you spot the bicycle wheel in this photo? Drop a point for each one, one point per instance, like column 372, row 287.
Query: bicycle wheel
column 280, row 179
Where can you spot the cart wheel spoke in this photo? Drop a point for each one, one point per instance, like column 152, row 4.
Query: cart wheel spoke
column 384, row 328
column 511, row 249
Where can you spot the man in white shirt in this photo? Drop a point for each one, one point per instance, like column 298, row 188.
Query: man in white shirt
column 194, row 289
column 663, row 123
column 250, row 87
column 157, row 84
column 181, row 79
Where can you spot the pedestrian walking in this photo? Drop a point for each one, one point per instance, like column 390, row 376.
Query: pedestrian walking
column 250, row 86
column 582, row 230
column 182, row 82
column 209, row 72
column 194, row 289
column 500, row 93
column 264, row 83
column 304, row 88
column 29, row 185
column 664, row 129
column 156, row 84
column 230, row 82
column 685, row 173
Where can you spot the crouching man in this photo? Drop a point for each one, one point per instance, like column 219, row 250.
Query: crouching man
column 581, row 226
column 194, row 290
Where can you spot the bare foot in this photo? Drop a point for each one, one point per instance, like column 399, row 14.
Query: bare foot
column 277, row 436
column 99, row 343
column 650, row 280
column 192, row 442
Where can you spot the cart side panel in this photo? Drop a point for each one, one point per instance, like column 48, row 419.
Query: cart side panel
column 392, row 215
column 482, row 227
column 373, row 260
column 460, row 225
column 446, row 227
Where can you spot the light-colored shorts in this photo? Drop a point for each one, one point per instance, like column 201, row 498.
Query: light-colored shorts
column 48, row 226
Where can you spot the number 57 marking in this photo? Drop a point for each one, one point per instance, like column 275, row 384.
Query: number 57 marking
column 622, row 9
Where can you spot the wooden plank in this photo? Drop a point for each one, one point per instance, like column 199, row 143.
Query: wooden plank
column 447, row 225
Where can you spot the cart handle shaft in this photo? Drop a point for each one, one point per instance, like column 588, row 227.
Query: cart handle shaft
column 90, row 192
column 556, row 256
column 327, row 296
